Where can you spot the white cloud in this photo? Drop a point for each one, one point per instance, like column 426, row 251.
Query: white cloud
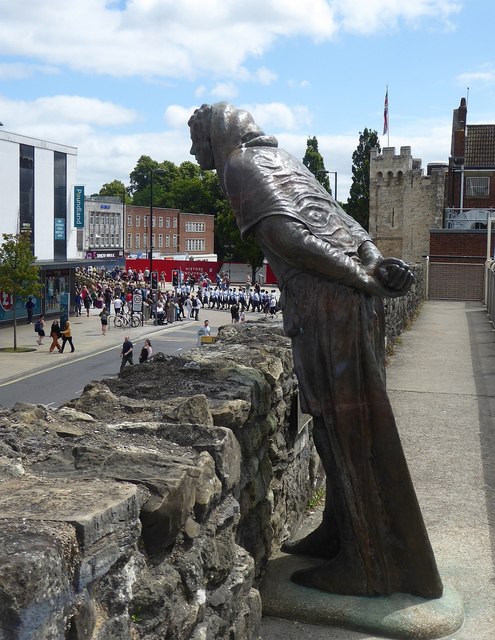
column 224, row 91
column 166, row 38
column 60, row 110
column 276, row 116
column 368, row 16
column 472, row 77
column 22, row 70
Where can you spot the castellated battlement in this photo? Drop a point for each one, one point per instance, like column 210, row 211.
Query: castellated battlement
column 404, row 202
column 388, row 161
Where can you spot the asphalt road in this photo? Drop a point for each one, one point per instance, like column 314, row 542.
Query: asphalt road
column 66, row 381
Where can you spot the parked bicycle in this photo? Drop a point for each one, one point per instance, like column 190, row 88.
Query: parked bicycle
column 128, row 320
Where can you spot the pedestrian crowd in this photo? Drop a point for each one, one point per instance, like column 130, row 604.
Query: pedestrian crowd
column 113, row 291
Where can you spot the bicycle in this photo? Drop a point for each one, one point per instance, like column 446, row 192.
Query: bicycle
column 133, row 320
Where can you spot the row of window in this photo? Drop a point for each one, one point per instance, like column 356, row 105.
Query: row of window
column 137, row 241
column 141, row 242
column 169, row 222
column 195, row 227
column 103, row 219
column 108, row 240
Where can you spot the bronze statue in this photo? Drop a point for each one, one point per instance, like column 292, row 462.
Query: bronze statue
column 372, row 539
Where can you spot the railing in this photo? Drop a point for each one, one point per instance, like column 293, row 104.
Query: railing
column 465, row 219
column 490, row 290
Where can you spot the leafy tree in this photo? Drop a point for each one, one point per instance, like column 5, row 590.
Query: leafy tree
column 313, row 160
column 140, row 182
column 115, row 188
column 19, row 276
column 358, row 203
column 230, row 245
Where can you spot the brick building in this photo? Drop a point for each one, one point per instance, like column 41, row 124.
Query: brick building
column 174, row 233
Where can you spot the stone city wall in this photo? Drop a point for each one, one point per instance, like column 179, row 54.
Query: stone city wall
column 149, row 507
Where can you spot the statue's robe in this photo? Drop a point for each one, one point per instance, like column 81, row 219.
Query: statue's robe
column 337, row 334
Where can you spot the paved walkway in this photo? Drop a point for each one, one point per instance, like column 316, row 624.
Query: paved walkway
column 441, row 382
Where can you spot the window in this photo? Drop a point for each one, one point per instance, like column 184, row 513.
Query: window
column 167, row 224
column 138, row 221
column 160, row 222
column 195, row 227
column 167, row 240
column 153, row 241
column 174, row 240
column 145, row 222
column 478, row 187
column 160, row 240
column 129, row 240
column 145, row 241
column 137, row 243
column 174, row 223
column 195, row 244
column 129, row 221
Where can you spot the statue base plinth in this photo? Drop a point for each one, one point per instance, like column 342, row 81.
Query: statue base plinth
column 400, row 616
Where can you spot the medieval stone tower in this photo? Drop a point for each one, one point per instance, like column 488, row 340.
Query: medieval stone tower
column 404, row 203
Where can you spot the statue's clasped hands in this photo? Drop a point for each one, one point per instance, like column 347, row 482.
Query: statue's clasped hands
column 395, row 275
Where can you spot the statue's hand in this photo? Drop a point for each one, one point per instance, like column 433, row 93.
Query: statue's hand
column 395, row 275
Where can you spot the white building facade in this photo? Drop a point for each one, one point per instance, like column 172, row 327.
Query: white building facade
column 38, row 193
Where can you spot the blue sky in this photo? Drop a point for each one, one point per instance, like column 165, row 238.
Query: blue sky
column 119, row 79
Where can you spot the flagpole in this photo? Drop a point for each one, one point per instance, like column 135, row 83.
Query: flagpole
column 386, row 128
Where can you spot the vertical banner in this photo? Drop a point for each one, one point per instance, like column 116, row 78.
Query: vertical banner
column 64, row 309
column 79, row 207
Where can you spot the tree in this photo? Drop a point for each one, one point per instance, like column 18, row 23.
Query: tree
column 313, row 160
column 230, row 245
column 358, row 203
column 19, row 276
column 115, row 188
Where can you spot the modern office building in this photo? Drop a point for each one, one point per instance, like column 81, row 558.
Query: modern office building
column 39, row 195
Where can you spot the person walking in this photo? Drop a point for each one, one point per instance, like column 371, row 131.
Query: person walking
column 146, row 351
column 78, row 303
column 29, row 309
column 39, row 327
column 55, row 336
column 104, row 320
column 67, row 337
column 87, row 303
column 204, row 331
column 126, row 353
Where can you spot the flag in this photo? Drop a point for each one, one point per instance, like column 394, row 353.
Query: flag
column 385, row 114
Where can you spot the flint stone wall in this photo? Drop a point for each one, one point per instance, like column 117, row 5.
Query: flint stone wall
column 399, row 312
column 149, row 507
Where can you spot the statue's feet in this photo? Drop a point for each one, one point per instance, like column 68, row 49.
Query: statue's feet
column 320, row 543
column 336, row 576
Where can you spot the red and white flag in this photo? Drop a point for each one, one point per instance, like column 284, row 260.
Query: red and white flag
column 385, row 114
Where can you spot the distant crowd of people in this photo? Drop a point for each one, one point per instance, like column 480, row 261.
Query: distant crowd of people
column 113, row 291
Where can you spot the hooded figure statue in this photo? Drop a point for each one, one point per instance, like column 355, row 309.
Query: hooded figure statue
column 372, row 539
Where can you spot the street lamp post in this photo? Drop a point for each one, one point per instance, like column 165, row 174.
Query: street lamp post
column 153, row 172
column 324, row 171
column 123, row 224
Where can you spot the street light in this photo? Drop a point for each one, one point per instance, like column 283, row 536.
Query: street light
column 335, row 174
column 159, row 172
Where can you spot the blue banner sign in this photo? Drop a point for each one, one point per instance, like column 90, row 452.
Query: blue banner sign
column 79, row 207
column 59, row 230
